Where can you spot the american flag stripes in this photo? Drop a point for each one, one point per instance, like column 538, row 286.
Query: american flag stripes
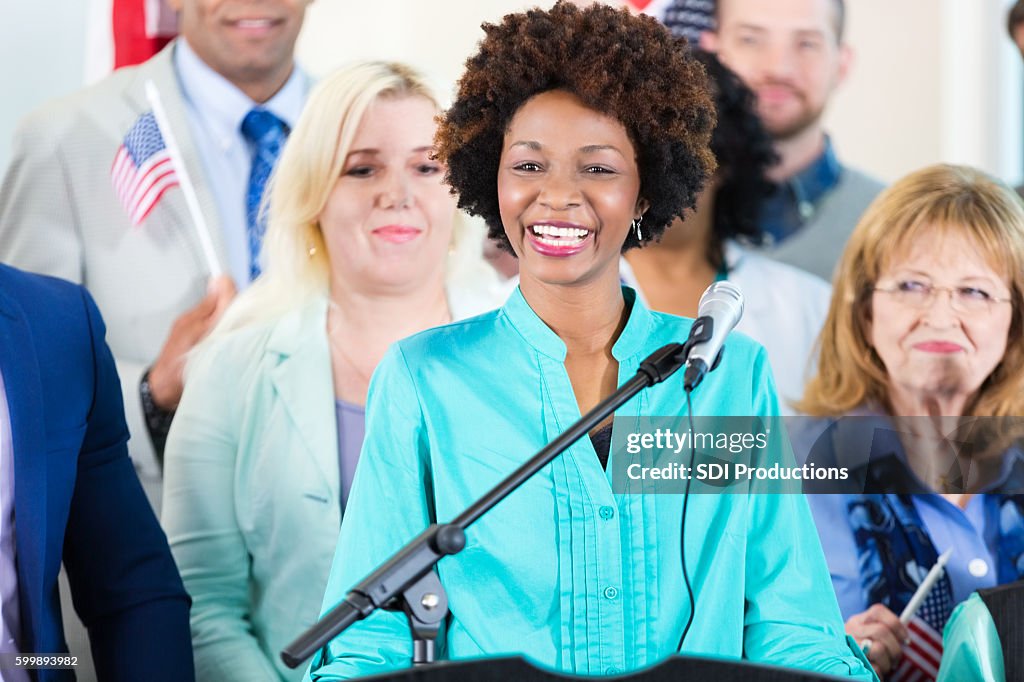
column 142, row 169
column 921, row 658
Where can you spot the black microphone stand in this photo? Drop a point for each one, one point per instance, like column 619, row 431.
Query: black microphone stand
column 407, row 580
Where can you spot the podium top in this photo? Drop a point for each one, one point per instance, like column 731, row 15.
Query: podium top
column 674, row 669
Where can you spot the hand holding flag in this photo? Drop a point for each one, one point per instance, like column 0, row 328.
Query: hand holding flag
column 923, row 654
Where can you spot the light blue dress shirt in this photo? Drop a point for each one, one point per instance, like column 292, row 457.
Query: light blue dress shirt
column 564, row 571
column 215, row 109
column 972, row 534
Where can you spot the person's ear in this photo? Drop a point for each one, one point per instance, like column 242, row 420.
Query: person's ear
column 708, row 41
column 641, row 207
column 846, row 60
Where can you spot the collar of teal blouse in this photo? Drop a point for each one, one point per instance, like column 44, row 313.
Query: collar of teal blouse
column 539, row 335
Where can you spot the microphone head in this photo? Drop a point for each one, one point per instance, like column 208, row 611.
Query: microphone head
column 722, row 306
column 723, row 301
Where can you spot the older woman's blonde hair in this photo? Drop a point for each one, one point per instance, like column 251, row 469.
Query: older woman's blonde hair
column 922, row 208
column 294, row 258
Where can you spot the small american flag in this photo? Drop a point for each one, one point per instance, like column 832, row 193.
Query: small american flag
column 142, row 169
column 921, row 658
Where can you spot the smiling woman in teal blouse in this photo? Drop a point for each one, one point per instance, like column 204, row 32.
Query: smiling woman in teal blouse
column 575, row 134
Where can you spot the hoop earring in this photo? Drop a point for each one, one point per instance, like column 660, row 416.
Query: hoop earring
column 636, row 226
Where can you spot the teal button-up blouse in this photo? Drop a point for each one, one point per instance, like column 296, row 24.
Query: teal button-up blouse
column 564, row 571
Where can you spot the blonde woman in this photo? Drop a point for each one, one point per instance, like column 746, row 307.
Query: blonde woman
column 265, row 441
column 924, row 330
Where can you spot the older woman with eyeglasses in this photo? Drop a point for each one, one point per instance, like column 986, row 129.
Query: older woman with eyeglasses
column 923, row 346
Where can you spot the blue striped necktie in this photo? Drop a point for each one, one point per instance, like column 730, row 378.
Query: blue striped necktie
column 267, row 134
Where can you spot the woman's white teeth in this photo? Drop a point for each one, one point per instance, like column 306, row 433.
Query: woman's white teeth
column 552, row 232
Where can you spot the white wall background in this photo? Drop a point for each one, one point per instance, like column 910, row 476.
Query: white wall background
column 934, row 80
column 42, row 45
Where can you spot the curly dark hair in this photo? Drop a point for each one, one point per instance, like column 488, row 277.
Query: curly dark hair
column 744, row 151
column 627, row 67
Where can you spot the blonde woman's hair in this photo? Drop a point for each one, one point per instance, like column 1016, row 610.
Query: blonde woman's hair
column 295, row 265
column 922, row 208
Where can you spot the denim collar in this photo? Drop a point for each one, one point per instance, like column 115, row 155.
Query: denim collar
column 794, row 201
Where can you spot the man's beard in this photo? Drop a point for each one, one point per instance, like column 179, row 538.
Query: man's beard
column 794, row 126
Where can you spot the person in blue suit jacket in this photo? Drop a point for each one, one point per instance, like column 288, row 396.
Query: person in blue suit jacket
column 68, row 492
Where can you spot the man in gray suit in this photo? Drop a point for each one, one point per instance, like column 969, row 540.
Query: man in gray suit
column 232, row 66
column 792, row 55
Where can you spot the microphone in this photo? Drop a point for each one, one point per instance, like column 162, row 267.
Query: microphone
column 718, row 312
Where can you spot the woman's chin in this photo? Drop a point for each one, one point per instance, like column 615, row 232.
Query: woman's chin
column 947, row 394
column 565, row 272
column 394, row 275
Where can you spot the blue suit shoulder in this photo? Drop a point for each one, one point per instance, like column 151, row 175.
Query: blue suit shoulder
column 65, row 335
column 42, row 295
column 94, row 515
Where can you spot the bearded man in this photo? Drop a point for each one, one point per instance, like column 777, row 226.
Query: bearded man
column 792, row 55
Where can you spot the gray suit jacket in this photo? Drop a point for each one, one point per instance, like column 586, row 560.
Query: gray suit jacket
column 59, row 216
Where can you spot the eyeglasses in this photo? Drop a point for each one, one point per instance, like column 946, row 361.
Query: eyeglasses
column 963, row 299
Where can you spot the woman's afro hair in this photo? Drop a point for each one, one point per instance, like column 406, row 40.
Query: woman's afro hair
column 628, row 67
column 744, row 151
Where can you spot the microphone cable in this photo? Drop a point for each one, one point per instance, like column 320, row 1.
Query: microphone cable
column 682, row 531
